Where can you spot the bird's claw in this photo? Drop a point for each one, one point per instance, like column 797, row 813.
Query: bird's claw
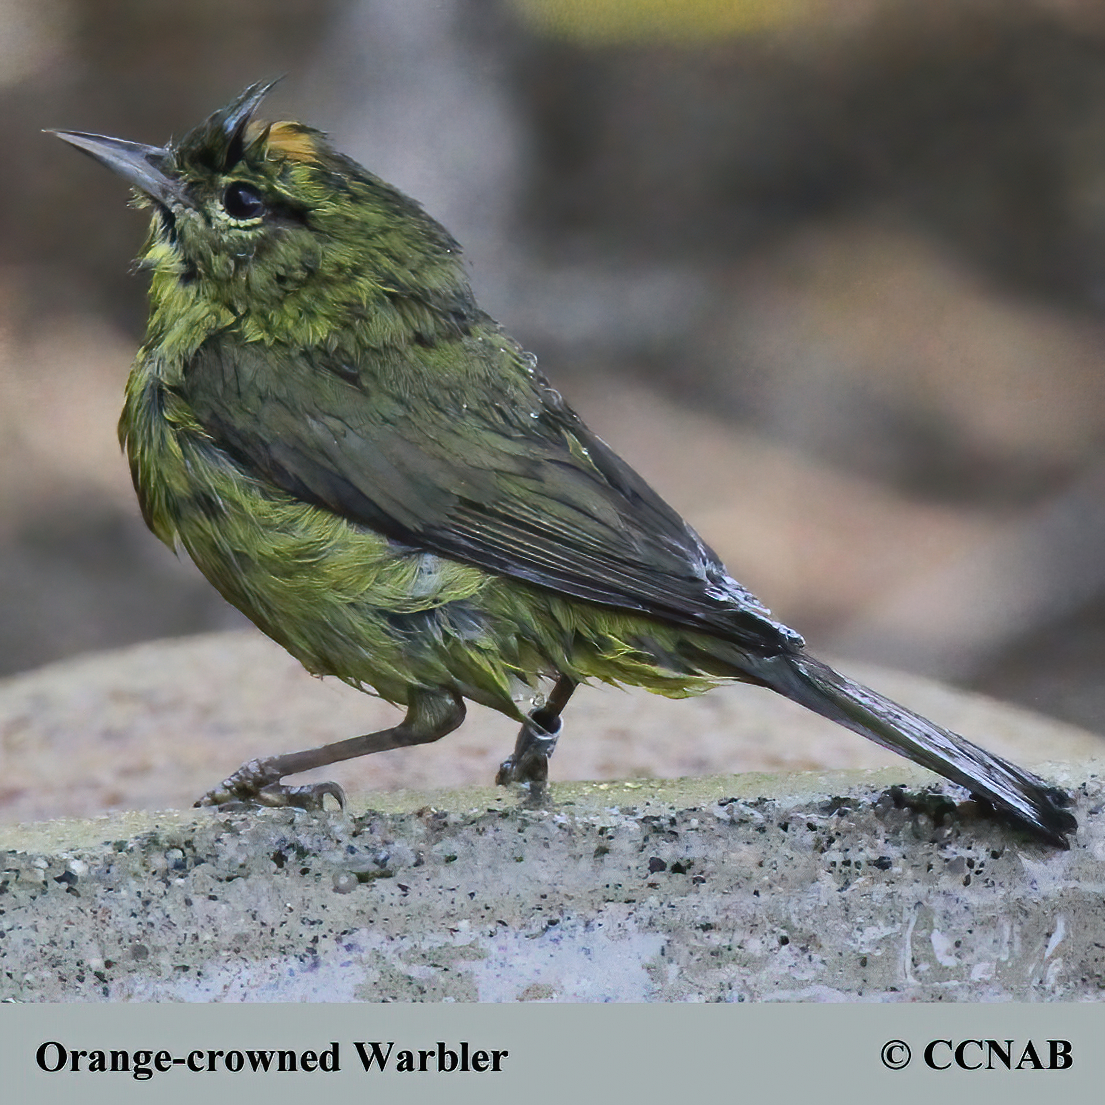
column 529, row 762
column 256, row 784
column 306, row 797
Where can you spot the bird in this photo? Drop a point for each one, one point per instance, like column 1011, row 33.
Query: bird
column 372, row 470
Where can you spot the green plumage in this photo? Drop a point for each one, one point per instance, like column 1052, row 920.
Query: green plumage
column 361, row 461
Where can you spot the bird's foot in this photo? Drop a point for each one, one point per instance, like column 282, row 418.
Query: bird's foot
column 257, row 783
column 529, row 762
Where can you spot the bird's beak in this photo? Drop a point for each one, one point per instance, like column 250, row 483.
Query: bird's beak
column 144, row 166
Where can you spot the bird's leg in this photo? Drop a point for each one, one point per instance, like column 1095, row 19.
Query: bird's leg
column 529, row 762
column 430, row 715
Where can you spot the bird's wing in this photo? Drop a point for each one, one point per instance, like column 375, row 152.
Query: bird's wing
column 504, row 476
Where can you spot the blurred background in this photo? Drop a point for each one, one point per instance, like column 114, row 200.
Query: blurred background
column 830, row 273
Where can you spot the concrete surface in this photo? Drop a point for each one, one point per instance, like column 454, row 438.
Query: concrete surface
column 757, row 887
column 754, row 888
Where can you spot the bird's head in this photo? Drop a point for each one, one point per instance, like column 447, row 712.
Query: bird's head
column 270, row 224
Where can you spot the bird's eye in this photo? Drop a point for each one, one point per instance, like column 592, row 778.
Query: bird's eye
column 240, row 201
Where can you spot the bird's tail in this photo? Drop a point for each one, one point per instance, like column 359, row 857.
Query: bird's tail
column 1027, row 798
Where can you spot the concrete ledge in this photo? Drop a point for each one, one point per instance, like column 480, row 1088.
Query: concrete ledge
column 807, row 887
column 770, row 886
